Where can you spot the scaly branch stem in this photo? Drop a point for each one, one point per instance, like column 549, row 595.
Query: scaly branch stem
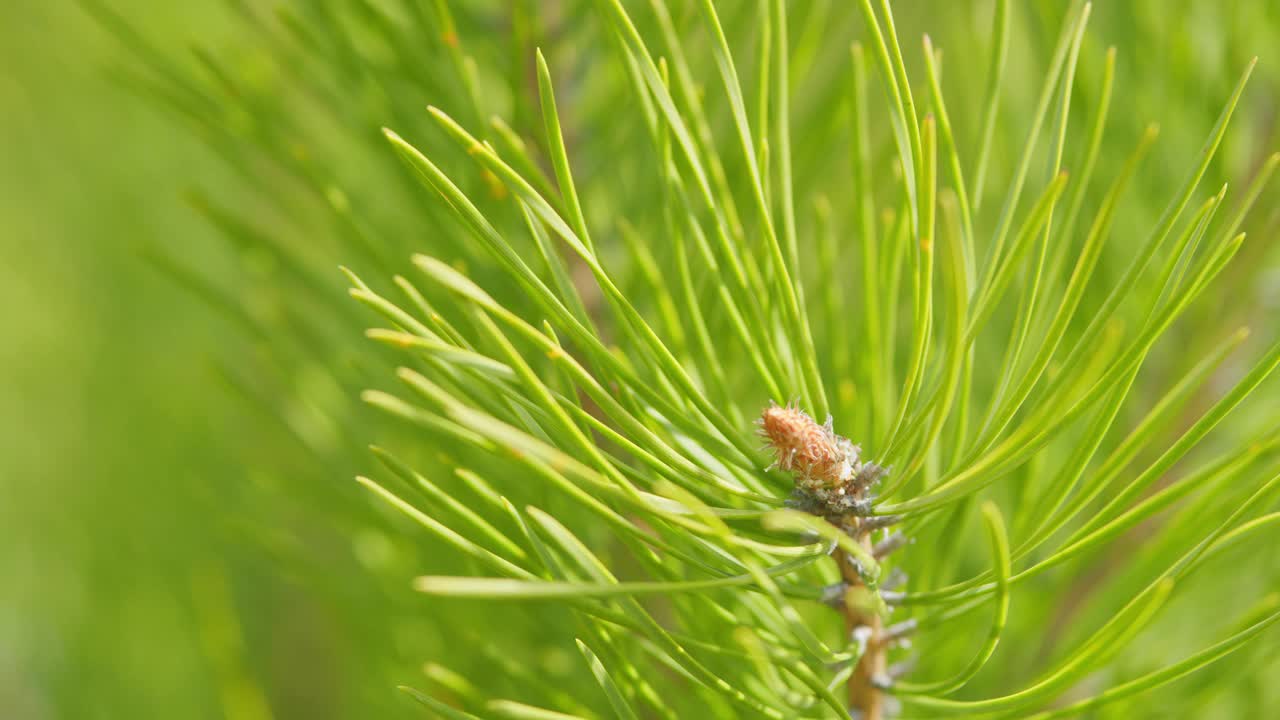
column 864, row 696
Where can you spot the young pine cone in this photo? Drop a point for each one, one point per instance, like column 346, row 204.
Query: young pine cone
column 827, row 468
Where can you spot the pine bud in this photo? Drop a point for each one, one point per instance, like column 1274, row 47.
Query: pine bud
column 831, row 480
column 819, row 458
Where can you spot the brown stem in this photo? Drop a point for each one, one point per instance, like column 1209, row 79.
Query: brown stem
column 864, row 696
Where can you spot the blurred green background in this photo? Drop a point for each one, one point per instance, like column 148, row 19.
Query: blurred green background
column 168, row 551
